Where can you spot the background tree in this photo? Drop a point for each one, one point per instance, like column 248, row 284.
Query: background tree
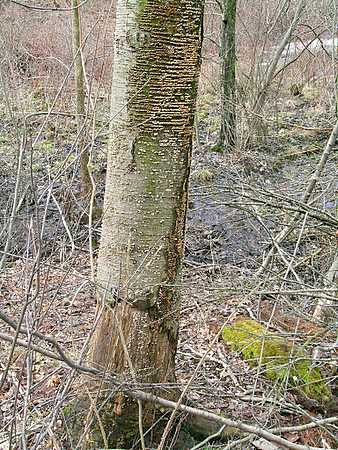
column 80, row 98
column 227, row 137
column 154, row 88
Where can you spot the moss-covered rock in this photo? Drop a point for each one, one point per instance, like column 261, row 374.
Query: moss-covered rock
column 279, row 359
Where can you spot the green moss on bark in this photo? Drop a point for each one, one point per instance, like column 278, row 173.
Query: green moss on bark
column 280, row 360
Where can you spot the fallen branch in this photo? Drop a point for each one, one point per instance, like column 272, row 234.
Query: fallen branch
column 210, row 418
column 268, row 435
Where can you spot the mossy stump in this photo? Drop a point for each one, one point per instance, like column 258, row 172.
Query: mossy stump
column 279, row 359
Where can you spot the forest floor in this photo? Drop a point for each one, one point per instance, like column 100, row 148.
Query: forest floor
column 238, row 201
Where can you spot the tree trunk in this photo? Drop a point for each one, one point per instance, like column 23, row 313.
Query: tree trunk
column 154, row 88
column 227, row 137
column 80, row 99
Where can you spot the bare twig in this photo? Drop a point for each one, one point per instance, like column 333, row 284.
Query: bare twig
column 42, row 8
column 306, row 197
column 15, row 199
column 209, row 438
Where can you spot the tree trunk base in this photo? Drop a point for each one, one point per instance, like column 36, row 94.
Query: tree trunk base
column 119, row 419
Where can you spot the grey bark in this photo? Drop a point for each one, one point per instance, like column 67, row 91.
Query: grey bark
column 154, row 88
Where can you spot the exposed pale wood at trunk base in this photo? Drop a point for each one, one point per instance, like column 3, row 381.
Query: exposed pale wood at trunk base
column 155, row 77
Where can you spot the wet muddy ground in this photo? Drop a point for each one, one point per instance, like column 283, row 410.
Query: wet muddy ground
column 233, row 213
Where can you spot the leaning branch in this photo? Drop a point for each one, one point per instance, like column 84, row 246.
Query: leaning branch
column 306, row 197
column 262, row 94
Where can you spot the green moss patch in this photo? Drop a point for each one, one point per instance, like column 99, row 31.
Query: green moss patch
column 203, row 175
column 279, row 360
